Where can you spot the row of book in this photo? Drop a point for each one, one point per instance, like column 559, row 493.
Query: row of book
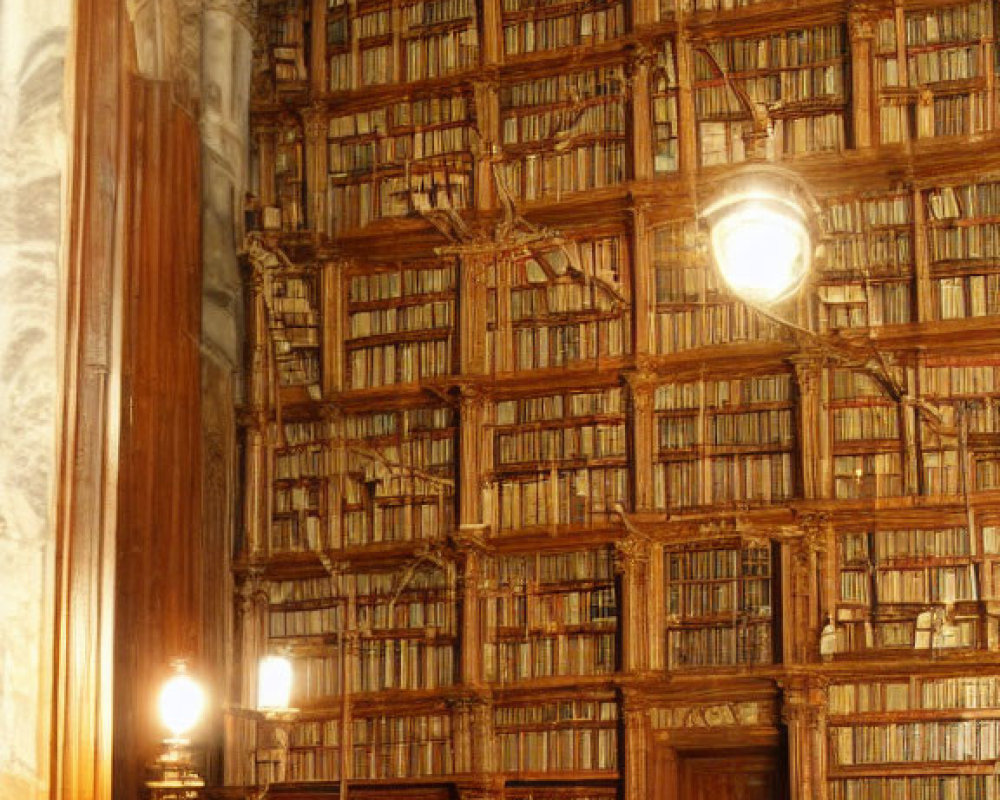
column 924, row 585
column 535, row 611
column 794, row 48
column 809, row 83
column 417, row 728
column 966, row 22
column 547, row 713
column 721, row 323
column 309, row 764
column 867, row 475
column 433, row 12
column 402, row 759
column 909, row 543
column 444, row 53
column 859, row 306
column 425, row 316
column 927, row 787
column 960, row 380
column 551, row 174
column 875, row 254
column 966, row 242
column 402, row 116
column 403, row 283
column 296, row 534
column 297, row 498
column 558, row 89
column 302, row 461
column 848, row 384
column 870, row 213
column 967, row 201
column 424, row 185
column 941, row 741
column 601, row 440
column 741, row 643
column 550, row 568
column 320, row 621
column 916, row 631
column 953, row 64
column 352, row 157
column 527, row 304
column 968, row 296
column 744, row 478
column 558, row 345
column 385, row 664
column 568, row 497
column 549, row 655
column 875, row 422
column 399, row 613
column 569, row 749
column 315, row 678
column 563, row 123
column 401, row 522
column 720, row 599
column 717, row 564
column 585, row 26
column 401, row 425
column 955, row 693
column 402, row 362
column 609, row 402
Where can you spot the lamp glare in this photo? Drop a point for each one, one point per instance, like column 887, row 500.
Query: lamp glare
column 762, row 251
column 181, row 702
column 274, row 683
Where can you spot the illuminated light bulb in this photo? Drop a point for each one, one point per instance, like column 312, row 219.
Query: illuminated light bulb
column 274, row 683
column 761, row 245
column 181, row 702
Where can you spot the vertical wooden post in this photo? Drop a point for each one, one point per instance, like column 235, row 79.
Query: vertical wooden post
column 632, row 564
column 636, row 747
column 643, row 439
column 808, row 369
column 640, row 113
column 318, row 57
column 314, row 121
column 804, row 714
column 487, row 102
column 687, row 134
column 862, row 34
column 472, row 303
column 921, row 260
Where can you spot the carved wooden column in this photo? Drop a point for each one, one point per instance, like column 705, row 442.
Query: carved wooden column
column 804, row 714
column 862, row 31
column 317, row 42
column 921, row 260
column 332, row 306
column 472, row 511
column 473, row 736
column 469, row 547
column 908, row 426
column 473, row 274
column 799, row 630
column 255, row 498
column 487, row 102
column 266, row 153
column 687, row 133
column 315, row 124
column 635, row 748
column 640, row 113
column 632, row 566
column 821, row 538
column 813, row 459
column 642, row 440
column 643, row 287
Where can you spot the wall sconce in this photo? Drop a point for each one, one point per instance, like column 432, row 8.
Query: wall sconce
column 180, row 704
column 274, row 691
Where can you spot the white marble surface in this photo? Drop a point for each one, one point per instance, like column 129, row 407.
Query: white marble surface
column 32, row 162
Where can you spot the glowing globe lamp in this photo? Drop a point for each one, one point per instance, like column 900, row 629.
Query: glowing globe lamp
column 182, row 701
column 761, row 244
column 274, row 683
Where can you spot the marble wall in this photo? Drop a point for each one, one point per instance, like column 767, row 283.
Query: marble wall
column 33, row 41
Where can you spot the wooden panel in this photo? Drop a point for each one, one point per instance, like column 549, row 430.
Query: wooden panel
column 159, row 598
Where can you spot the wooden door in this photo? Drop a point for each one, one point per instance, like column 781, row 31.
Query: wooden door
column 735, row 777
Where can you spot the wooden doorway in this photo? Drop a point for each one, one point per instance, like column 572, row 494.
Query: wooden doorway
column 732, row 776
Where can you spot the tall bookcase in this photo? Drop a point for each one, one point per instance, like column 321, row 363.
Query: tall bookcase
column 540, row 510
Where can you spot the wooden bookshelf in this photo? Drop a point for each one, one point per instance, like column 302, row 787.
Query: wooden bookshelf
column 538, row 507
